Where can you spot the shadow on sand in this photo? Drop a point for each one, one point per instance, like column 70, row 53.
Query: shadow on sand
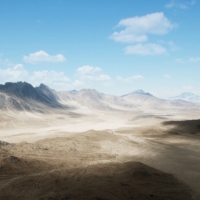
column 21, row 179
column 185, row 127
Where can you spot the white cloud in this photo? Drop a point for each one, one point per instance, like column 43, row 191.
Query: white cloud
column 166, row 76
column 42, row 56
column 88, row 70
column 137, row 28
column 130, row 79
column 180, row 5
column 91, row 73
column 145, row 49
column 194, row 59
column 77, row 83
column 50, row 78
column 173, row 4
column 54, row 79
column 16, row 73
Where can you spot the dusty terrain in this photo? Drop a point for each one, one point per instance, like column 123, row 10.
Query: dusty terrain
column 102, row 156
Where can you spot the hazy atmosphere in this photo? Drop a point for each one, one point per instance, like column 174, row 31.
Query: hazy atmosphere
column 99, row 100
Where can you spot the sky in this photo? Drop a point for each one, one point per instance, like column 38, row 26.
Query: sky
column 113, row 46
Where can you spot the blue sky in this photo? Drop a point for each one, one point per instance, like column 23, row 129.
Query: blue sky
column 113, row 46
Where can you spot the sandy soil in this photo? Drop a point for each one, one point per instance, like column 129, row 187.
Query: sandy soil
column 126, row 156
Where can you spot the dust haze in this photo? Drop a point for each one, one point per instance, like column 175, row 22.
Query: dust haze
column 88, row 145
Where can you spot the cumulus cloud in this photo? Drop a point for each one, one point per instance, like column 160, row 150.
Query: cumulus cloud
column 88, row 70
column 42, row 56
column 54, row 79
column 136, row 29
column 91, row 73
column 130, row 79
column 16, row 73
column 145, row 49
column 50, row 78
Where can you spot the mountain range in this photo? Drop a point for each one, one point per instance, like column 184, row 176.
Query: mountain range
column 23, row 96
column 187, row 96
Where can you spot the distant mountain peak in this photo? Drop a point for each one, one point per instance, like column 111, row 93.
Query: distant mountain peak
column 140, row 91
column 187, row 96
column 72, row 91
column 42, row 85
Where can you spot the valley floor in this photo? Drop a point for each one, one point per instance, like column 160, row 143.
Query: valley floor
column 102, row 156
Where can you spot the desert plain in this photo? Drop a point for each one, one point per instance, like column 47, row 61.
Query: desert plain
column 102, row 155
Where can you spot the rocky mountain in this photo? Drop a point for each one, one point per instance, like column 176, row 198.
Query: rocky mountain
column 93, row 99
column 139, row 97
column 11, row 103
column 137, row 92
column 82, row 98
column 186, row 96
column 23, row 96
column 48, row 92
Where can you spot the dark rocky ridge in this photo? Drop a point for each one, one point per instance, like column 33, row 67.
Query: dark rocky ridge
column 23, row 96
column 50, row 93
column 24, row 90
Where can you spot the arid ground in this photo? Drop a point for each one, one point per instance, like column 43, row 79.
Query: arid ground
column 102, row 156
